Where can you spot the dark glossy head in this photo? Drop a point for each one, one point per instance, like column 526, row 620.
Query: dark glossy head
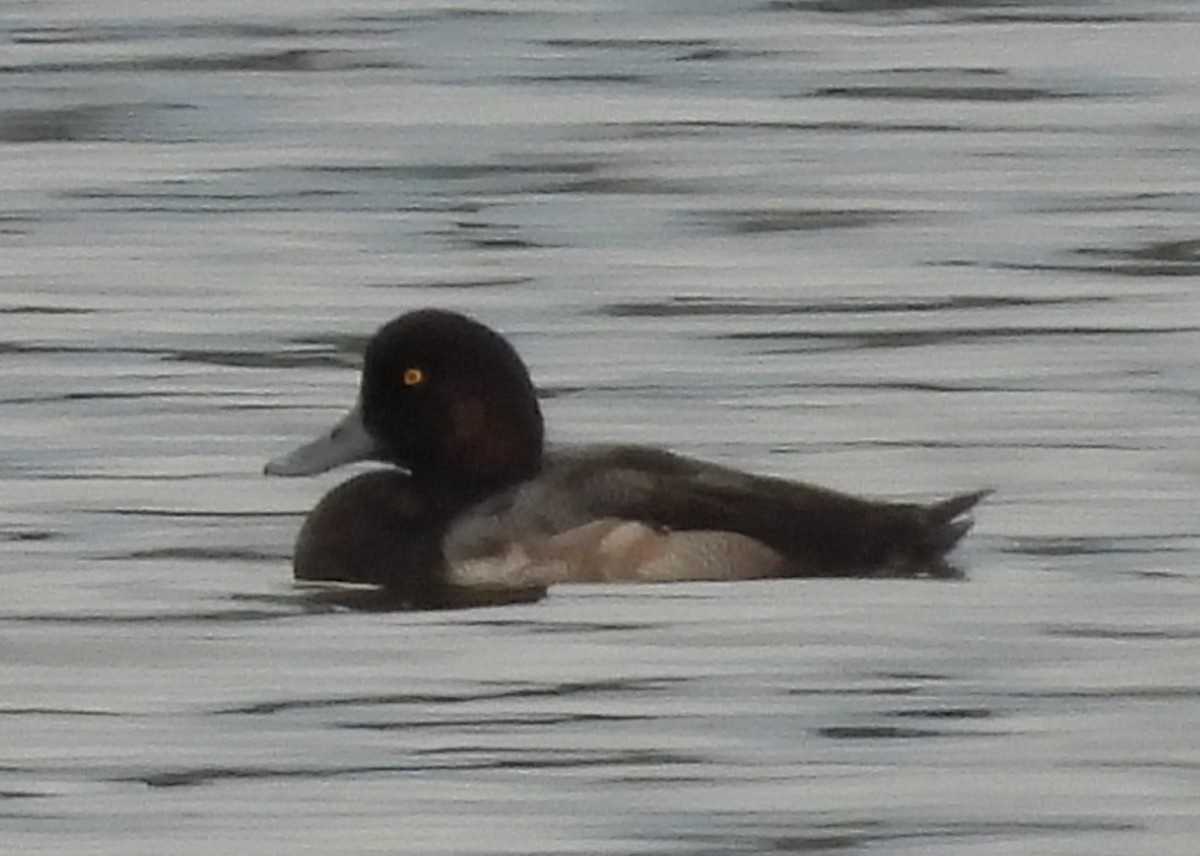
column 444, row 397
column 451, row 401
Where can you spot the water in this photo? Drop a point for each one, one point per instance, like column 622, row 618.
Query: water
column 904, row 249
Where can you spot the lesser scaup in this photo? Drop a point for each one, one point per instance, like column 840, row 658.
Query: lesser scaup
column 483, row 506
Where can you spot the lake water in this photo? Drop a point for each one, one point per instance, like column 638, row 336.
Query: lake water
column 898, row 248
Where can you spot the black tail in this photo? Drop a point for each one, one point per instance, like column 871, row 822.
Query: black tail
column 946, row 522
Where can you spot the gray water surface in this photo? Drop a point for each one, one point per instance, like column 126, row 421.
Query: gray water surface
column 902, row 249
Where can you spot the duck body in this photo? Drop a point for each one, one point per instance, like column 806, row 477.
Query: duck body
column 481, row 506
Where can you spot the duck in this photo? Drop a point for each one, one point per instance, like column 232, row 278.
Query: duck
column 475, row 508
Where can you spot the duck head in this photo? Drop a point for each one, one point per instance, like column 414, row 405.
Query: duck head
column 442, row 396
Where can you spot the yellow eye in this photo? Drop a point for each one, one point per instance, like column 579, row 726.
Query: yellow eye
column 414, row 377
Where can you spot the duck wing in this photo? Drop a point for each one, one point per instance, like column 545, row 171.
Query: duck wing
column 821, row 532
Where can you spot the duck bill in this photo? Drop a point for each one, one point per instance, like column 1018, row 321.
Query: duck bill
column 347, row 442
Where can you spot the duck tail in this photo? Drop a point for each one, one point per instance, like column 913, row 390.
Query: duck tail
column 946, row 522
